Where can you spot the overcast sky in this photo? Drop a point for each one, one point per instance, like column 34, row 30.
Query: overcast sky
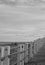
column 21, row 23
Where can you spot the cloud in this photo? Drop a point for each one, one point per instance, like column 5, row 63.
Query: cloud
column 18, row 24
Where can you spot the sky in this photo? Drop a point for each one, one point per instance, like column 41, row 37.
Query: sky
column 21, row 23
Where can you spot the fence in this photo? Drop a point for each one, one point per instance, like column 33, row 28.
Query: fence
column 19, row 54
column 15, row 54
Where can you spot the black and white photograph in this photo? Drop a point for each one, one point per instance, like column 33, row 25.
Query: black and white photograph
column 22, row 32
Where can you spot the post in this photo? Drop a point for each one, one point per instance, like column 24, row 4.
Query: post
column 6, row 53
column 35, row 48
column 21, row 55
column 18, row 56
column 31, row 54
column 26, row 53
column 2, row 54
